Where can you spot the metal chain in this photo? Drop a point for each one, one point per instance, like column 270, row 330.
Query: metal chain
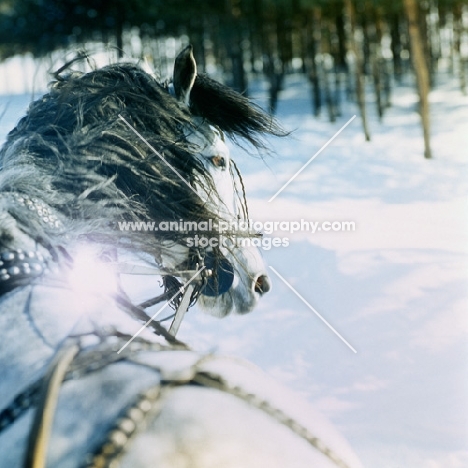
column 20, row 404
column 147, row 404
column 214, row 381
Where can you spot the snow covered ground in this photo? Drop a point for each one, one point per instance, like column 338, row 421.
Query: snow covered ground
column 396, row 288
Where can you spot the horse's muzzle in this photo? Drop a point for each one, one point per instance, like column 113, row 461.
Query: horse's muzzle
column 262, row 284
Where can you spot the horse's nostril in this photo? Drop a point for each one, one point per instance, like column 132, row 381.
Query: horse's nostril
column 262, row 284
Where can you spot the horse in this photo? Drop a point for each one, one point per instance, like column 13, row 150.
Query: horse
column 90, row 379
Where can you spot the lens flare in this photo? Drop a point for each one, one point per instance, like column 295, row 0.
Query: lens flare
column 90, row 275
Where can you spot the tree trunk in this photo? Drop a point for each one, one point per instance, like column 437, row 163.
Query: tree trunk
column 377, row 78
column 366, row 50
column 420, row 69
column 119, row 36
column 335, row 44
column 276, row 85
column 337, row 98
column 396, row 46
column 273, row 68
column 374, row 34
column 326, row 71
column 313, row 38
column 387, row 83
column 360, row 90
column 341, row 35
column 117, row 11
column 196, row 31
column 457, row 34
column 328, row 68
column 233, row 30
column 425, row 30
column 239, row 78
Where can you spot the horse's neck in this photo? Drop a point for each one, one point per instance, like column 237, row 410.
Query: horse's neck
column 39, row 312
column 36, row 319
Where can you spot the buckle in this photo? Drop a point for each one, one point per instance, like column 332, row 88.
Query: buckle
column 19, row 267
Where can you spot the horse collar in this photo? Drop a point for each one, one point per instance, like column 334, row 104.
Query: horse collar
column 45, row 213
column 18, row 267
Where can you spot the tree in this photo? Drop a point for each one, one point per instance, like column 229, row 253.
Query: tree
column 420, row 69
column 359, row 68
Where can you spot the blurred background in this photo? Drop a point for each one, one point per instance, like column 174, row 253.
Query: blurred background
column 340, row 46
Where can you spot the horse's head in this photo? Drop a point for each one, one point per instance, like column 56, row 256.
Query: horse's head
column 240, row 275
column 116, row 144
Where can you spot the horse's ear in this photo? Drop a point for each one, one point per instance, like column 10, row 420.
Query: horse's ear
column 185, row 72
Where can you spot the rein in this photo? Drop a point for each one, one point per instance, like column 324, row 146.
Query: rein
column 72, row 361
column 206, row 275
column 180, row 295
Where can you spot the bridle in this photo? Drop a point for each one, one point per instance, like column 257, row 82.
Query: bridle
column 19, row 267
column 205, row 273
column 179, row 294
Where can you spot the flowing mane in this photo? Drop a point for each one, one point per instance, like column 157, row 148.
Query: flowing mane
column 73, row 151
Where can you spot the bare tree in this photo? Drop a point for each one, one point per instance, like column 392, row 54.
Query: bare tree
column 458, row 33
column 420, row 69
column 359, row 68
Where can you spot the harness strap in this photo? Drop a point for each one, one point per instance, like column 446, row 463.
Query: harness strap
column 20, row 404
column 148, row 404
column 140, row 314
column 43, row 420
column 19, row 267
column 182, row 309
column 214, row 381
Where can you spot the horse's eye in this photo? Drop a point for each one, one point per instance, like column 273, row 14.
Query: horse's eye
column 218, row 161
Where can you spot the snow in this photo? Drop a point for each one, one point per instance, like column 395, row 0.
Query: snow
column 396, row 288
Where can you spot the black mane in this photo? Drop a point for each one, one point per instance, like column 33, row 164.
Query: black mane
column 230, row 111
column 73, row 151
